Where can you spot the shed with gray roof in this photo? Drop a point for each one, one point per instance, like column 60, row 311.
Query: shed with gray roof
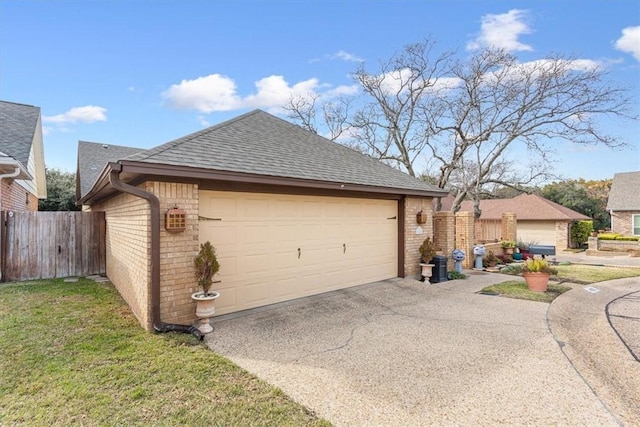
column 289, row 212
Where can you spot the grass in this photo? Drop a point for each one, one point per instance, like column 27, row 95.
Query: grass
column 575, row 273
column 72, row 354
column 593, row 274
column 518, row 289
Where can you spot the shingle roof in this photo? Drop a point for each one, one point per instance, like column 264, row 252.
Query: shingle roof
column 260, row 143
column 624, row 194
column 17, row 128
column 93, row 157
column 526, row 207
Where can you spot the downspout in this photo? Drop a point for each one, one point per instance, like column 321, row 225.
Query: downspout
column 13, row 174
column 154, row 205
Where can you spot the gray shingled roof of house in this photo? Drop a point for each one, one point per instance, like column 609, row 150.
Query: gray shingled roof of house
column 624, row 194
column 93, row 157
column 17, row 128
column 260, row 143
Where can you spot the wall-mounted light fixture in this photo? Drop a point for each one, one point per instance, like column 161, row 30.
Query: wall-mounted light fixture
column 421, row 217
column 175, row 220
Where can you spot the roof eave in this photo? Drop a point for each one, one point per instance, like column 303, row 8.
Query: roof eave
column 134, row 169
column 8, row 165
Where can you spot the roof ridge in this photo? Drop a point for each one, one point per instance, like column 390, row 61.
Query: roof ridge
column 20, row 103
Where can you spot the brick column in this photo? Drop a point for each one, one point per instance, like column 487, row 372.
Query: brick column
column 415, row 233
column 465, row 236
column 444, row 234
column 509, row 226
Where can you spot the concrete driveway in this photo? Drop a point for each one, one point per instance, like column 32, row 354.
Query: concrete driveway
column 405, row 353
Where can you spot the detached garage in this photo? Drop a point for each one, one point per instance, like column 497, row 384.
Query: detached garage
column 291, row 214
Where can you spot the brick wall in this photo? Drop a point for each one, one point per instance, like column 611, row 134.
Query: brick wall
column 622, row 222
column 509, row 226
column 128, row 251
column 444, row 234
column 177, row 251
column 465, row 236
column 414, row 233
column 14, row 197
column 128, row 245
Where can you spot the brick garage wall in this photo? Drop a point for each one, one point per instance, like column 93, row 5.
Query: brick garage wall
column 414, row 233
column 177, row 251
column 128, row 251
column 16, row 198
column 622, row 222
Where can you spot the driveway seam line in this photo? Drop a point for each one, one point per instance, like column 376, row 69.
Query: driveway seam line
column 561, row 346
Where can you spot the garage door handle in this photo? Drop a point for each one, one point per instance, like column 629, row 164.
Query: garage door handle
column 393, row 217
column 344, row 248
column 299, row 252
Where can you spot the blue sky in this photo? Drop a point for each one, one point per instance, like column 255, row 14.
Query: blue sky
column 141, row 73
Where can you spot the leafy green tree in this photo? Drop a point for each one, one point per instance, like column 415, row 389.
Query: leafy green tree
column 587, row 197
column 61, row 191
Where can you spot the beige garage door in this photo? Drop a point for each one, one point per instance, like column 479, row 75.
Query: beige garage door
column 274, row 248
column 540, row 232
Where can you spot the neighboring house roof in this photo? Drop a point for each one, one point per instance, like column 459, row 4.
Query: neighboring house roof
column 624, row 194
column 18, row 124
column 526, row 207
column 260, row 144
column 92, row 159
column 22, row 144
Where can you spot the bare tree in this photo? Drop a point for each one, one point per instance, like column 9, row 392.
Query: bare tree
column 459, row 117
column 500, row 101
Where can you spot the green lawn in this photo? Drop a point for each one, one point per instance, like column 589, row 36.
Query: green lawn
column 73, row 354
column 566, row 273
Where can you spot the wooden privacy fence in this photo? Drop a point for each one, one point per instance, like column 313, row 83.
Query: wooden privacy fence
column 488, row 230
column 45, row 245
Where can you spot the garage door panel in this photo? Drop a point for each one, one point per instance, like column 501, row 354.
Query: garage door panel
column 258, row 237
column 255, row 263
column 257, row 293
column 310, row 231
column 223, row 234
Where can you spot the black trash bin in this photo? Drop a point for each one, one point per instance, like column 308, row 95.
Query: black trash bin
column 439, row 269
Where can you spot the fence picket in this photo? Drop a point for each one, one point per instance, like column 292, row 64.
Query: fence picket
column 44, row 245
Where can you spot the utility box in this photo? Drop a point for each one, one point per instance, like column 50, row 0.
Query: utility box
column 439, row 269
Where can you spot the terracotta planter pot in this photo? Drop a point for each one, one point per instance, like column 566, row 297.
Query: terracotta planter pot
column 537, row 282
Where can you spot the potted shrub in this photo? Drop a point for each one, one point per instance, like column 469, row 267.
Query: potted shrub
column 491, row 260
column 206, row 266
column 508, row 246
column 427, row 252
column 536, row 272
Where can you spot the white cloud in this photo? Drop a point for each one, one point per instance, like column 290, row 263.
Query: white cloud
column 630, row 41
column 220, row 93
column 502, row 31
column 346, row 56
column 86, row 114
column 205, row 94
